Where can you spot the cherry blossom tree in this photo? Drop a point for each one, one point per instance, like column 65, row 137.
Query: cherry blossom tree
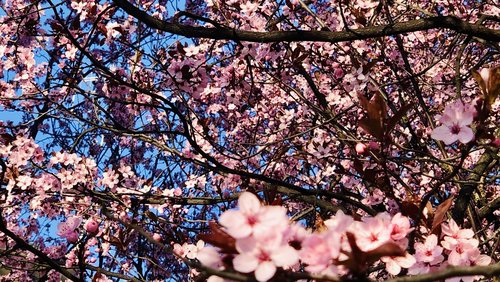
column 165, row 140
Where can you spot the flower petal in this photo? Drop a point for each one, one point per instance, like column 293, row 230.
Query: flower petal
column 248, row 203
column 265, row 271
column 245, row 263
column 285, row 256
column 466, row 135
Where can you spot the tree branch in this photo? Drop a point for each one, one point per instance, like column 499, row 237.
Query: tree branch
column 449, row 22
column 454, row 271
column 465, row 194
column 24, row 245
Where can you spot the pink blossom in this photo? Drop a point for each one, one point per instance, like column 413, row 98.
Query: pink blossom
column 264, row 256
column 110, row 179
column 453, row 234
column 456, row 120
column 157, row 237
column 340, row 222
column 317, row 251
column 393, row 265
column 252, row 218
column 475, row 258
column 67, row 229
column 372, row 232
column 429, row 251
column 375, row 198
column 188, row 250
column 210, row 257
column 400, row 227
column 462, row 251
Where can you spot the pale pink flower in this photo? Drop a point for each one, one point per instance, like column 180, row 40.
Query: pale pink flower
column 340, row 222
column 375, row 198
column 461, row 252
column 400, row 227
column 453, row 233
column 67, row 229
column 317, row 252
column 456, row 120
column 429, row 251
column 110, row 179
column 372, row 232
column 157, row 237
column 475, row 259
column 393, row 265
column 264, row 256
column 209, row 256
column 419, row 268
column 252, row 218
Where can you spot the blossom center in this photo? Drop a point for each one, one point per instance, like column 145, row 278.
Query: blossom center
column 455, row 128
column 252, row 220
column 264, row 256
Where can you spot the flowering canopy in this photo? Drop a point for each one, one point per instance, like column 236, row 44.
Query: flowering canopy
column 154, row 140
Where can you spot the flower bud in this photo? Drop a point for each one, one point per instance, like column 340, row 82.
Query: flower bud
column 360, row 148
column 91, row 226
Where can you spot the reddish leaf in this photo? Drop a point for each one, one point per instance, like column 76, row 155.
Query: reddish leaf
column 180, row 48
column 491, row 87
column 411, row 209
column 377, row 109
column 368, row 66
column 302, row 57
column 219, row 238
column 363, row 102
column 115, row 242
column 371, row 127
column 376, row 112
column 358, row 166
column 440, row 214
column 97, row 277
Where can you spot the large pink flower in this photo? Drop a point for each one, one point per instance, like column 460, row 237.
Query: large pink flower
column 400, row 227
column 253, row 219
column 67, row 229
column 456, row 120
column 318, row 250
column 429, row 251
column 453, row 234
column 372, row 232
column 393, row 265
column 264, row 256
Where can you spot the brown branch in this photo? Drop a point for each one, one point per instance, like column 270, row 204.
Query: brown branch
column 25, row 246
column 464, row 197
column 449, row 22
column 489, row 208
column 191, row 263
column 454, row 271
column 112, row 274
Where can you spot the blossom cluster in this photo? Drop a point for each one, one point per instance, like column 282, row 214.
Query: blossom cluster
column 266, row 240
column 455, row 120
